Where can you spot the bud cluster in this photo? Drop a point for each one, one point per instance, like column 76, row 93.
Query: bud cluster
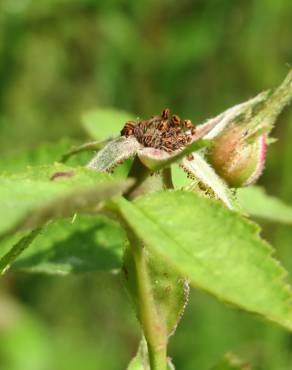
column 165, row 132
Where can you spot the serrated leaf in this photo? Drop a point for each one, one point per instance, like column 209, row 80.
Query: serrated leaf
column 218, row 250
column 88, row 244
column 30, row 199
column 256, row 202
column 102, row 123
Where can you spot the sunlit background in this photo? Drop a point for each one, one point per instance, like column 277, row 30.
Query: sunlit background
column 59, row 58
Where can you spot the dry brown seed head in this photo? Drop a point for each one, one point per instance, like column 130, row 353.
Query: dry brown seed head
column 165, row 113
column 163, row 126
column 176, row 120
column 188, row 124
column 128, row 129
column 160, row 132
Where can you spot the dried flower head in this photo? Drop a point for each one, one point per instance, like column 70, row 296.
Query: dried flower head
column 239, row 136
column 161, row 132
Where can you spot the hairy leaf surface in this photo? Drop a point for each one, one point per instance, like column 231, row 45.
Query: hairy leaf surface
column 30, row 199
column 218, row 250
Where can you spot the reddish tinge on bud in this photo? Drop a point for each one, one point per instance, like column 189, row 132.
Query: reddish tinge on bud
column 237, row 161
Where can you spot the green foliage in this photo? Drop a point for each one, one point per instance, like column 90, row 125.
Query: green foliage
column 148, row 55
column 231, row 362
column 22, row 331
column 256, row 202
column 196, row 240
column 44, row 154
column 32, row 198
column 42, row 194
column 170, row 290
column 101, row 123
column 86, row 244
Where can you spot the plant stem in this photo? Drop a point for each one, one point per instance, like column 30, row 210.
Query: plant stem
column 167, row 178
column 153, row 325
column 140, row 174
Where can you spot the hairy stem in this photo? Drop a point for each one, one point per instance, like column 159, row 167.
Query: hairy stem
column 153, row 325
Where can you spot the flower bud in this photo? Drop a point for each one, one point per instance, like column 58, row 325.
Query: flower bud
column 238, row 161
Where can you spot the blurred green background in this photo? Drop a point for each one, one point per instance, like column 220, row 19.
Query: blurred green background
column 59, row 58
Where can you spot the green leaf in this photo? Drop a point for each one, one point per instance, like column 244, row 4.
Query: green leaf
column 102, row 123
column 86, row 244
column 30, row 199
column 231, row 362
column 218, row 250
column 44, row 154
column 170, row 291
column 16, row 250
column 256, row 202
column 140, row 361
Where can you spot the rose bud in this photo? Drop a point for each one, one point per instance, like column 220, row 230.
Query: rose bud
column 237, row 161
column 241, row 133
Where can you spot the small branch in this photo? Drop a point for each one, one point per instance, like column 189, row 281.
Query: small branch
column 167, row 178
